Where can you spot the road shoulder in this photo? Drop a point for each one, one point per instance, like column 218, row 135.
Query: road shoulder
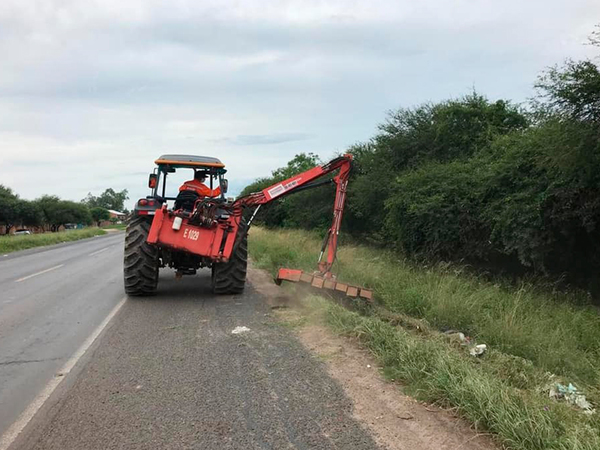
column 396, row 421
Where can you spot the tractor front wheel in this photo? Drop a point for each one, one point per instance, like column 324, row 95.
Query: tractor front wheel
column 230, row 277
column 140, row 268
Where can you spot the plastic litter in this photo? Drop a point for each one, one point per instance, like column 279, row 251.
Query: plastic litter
column 478, row 350
column 240, row 330
column 457, row 335
column 571, row 395
column 474, row 348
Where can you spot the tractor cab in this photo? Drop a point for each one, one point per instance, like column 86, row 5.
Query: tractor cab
column 171, row 172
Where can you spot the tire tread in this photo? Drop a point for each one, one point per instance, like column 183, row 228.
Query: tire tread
column 140, row 263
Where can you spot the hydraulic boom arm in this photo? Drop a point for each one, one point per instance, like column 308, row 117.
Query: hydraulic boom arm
column 324, row 277
column 303, row 180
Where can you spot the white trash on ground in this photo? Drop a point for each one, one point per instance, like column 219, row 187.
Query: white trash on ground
column 478, row 350
column 474, row 348
column 240, row 330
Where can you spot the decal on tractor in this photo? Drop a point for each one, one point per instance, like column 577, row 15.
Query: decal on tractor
column 282, row 188
column 192, row 235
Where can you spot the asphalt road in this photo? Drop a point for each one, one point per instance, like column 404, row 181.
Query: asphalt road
column 167, row 372
column 50, row 300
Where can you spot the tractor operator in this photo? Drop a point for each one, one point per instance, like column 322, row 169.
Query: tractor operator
column 197, row 185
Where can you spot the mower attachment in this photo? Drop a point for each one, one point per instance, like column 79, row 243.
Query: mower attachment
column 320, row 282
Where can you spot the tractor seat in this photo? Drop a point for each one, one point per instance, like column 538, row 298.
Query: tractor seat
column 185, row 200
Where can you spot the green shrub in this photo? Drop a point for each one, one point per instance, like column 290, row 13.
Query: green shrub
column 476, row 181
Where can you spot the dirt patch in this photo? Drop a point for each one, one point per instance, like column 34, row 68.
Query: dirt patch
column 396, row 421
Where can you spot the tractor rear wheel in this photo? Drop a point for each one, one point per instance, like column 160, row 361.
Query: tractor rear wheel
column 230, row 277
column 140, row 268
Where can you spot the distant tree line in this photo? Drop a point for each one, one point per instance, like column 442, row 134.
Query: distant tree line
column 50, row 213
column 479, row 181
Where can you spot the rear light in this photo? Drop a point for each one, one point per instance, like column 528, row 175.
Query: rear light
column 143, row 202
column 150, row 202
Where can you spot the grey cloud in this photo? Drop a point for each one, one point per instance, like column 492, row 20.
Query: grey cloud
column 265, row 139
column 172, row 58
column 92, row 90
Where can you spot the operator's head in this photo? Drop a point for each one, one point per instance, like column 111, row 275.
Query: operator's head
column 200, row 176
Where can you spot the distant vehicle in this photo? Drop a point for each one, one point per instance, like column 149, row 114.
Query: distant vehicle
column 22, row 232
column 73, row 226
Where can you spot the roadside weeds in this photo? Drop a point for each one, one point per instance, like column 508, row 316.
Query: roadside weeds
column 395, row 420
column 503, row 392
column 9, row 244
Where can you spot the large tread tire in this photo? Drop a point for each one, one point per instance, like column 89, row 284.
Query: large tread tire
column 140, row 267
column 230, row 277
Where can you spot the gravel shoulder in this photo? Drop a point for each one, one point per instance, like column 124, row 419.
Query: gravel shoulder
column 395, row 420
column 170, row 374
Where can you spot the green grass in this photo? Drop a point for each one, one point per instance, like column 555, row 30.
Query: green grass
column 435, row 371
column 536, row 337
column 10, row 244
column 118, row 226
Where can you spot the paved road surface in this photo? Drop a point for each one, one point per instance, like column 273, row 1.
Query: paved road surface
column 167, row 372
column 50, row 301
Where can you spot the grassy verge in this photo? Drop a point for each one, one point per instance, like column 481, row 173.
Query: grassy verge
column 10, row 244
column 536, row 338
column 119, row 226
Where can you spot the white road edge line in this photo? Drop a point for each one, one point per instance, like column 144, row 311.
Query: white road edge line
column 38, row 273
column 99, row 251
column 16, row 428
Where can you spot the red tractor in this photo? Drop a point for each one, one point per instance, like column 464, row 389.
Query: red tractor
column 213, row 231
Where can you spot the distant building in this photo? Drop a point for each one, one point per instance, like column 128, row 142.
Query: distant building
column 120, row 216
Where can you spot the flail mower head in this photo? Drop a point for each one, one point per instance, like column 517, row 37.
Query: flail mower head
column 323, row 278
column 320, row 281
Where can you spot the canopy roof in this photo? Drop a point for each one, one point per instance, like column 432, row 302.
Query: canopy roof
column 192, row 161
column 210, row 164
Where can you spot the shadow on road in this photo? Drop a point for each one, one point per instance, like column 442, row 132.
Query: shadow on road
column 189, row 288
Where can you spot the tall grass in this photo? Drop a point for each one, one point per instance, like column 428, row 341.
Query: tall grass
column 521, row 419
column 10, row 244
column 557, row 332
column 536, row 337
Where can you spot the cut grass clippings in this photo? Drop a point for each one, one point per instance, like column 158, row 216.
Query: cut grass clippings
column 532, row 333
column 10, row 244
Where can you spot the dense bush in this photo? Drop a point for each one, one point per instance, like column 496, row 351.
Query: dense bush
column 475, row 180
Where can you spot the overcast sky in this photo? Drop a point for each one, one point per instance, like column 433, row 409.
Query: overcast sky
column 91, row 92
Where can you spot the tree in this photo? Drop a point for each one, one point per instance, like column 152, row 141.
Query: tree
column 594, row 38
column 298, row 164
column 28, row 213
column 59, row 212
column 8, row 208
column 444, row 131
column 109, row 199
column 572, row 90
column 99, row 215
